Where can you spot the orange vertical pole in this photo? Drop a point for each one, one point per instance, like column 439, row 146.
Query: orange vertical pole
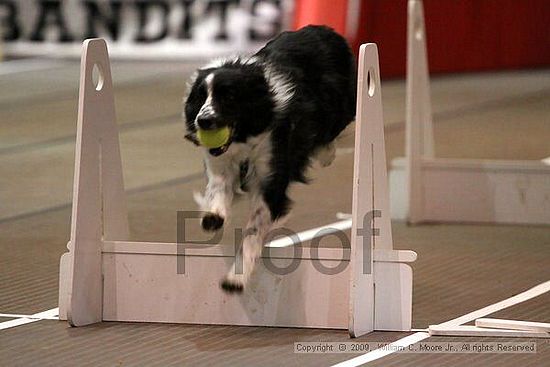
column 328, row 12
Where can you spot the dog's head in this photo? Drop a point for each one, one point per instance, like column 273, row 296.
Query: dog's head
column 234, row 94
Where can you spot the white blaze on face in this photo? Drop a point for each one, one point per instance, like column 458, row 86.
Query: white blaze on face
column 207, row 109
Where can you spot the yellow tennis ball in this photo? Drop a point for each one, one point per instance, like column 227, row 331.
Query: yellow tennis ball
column 213, row 138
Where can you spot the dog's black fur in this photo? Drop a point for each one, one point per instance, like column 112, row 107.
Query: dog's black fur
column 298, row 91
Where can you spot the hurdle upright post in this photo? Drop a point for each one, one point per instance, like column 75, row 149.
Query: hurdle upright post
column 380, row 291
column 99, row 206
column 419, row 140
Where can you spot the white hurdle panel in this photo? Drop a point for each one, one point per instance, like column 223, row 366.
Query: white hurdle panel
column 425, row 188
column 105, row 277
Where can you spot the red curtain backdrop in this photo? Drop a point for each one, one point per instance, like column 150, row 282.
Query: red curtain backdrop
column 463, row 35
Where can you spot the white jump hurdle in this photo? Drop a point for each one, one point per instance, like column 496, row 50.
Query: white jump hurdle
column 425, row 188
column 105, row 277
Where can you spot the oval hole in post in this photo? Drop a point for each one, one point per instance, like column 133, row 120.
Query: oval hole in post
column 97, row 77
column 418, row 33
column 371, row 82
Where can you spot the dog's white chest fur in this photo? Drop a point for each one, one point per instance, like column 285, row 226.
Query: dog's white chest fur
column 256, row 151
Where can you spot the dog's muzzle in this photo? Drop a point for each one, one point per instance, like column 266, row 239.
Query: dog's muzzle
column 192, row 137
column 220, row 150
column 207, row 122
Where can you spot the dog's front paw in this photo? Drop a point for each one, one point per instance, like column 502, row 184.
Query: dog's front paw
column 212, row 222
column 232, row 284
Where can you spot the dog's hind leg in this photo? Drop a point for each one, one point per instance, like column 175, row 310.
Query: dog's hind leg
column 258, row 226
column 326, row 154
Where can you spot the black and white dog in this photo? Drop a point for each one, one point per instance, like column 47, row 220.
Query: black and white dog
column 284, row 106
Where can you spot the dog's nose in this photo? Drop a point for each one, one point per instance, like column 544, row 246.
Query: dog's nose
column 205, row 122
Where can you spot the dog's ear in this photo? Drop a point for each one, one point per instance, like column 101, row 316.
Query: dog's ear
column 192, row 137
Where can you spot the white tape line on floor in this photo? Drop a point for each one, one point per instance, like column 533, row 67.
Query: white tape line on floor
column 514, row 300
column 16, row 322
column 21, row 316
column 44, row 315
column 417, row 337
